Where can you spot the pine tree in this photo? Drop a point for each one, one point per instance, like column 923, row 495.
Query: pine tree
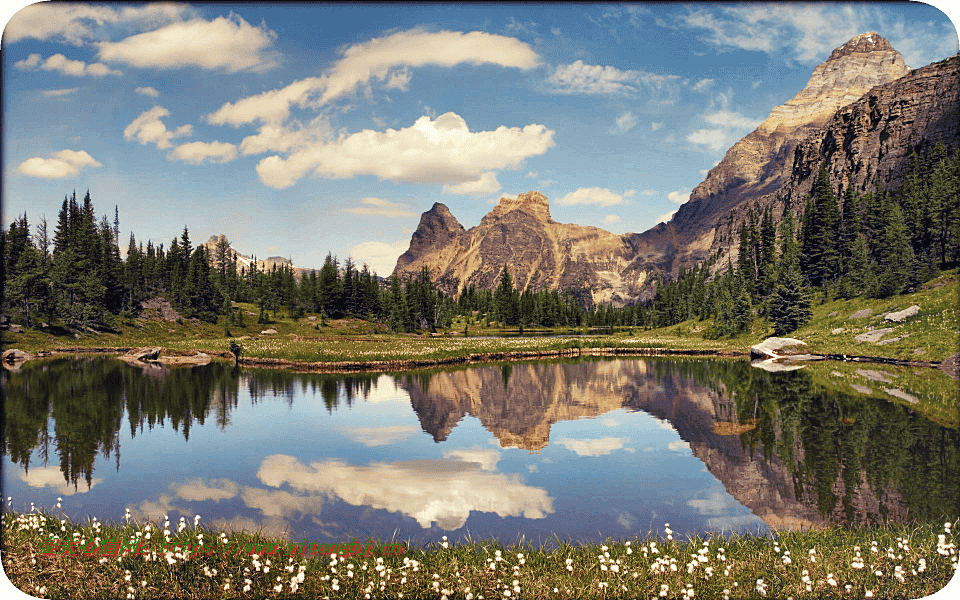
column 790, row 301
column 897, row 261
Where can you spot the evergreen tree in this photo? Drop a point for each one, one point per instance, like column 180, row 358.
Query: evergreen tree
column 896, row 263
column 790, row 301
column 821, row 220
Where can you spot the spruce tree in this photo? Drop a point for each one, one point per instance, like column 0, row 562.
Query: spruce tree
column 790, row 301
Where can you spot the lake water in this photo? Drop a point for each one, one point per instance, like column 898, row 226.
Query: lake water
column 580, row 450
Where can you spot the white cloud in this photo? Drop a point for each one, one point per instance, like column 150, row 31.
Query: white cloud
column 380, row 256
column 65, row 66
column 715, row 139
column 60, row 92
column 385, row 59
column 149, row 128
column 380, row 436
column 731, row 120
column 666, row 218
column 580, row 78
column 626, row 121
column 440, row 151
column 592, row 447
column 655, row 126
column 679, row 445
column 379, row 207
column 74, row 23
column 198, row 490
column 63, row 164
column 444, row 492
column 594, row 195
column 486, row 458
column 611, row 219
column 486, row 184
column 224, row 44
column 531, row 173
column 52, row 477
column 678, row 196
column 703, row 84
column 147, row 91
column 198, row 152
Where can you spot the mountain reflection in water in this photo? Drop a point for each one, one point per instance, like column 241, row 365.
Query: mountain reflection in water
column 338, row 455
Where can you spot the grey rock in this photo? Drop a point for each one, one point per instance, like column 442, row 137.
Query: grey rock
column 862, row 388
column 311, row 319
column 15, row 355
column 873, row 336
column 901, row 316
column 772, row 365
column 270, row 331
column 833, row 314
column 772, row 347
column 875, row 375
column 861, row 314
column 138, row 354
column 892, row 340
column 837, row 330
column 14, row 328
column 898, row 393
column 837, row 374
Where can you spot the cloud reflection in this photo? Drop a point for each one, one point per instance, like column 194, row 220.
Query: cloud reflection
column 52, row 477
column 430, row 491
column 593, row 447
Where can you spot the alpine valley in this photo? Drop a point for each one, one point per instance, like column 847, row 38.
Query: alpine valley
column 862, row 115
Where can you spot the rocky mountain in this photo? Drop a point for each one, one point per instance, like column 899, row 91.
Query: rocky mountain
column 245, row 261
column 520, row 235
column 862, row 113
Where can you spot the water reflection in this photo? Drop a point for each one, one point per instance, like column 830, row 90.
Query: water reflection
column 706, row 444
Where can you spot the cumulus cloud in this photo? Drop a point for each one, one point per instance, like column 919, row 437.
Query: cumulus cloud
column 679, row 445
column 486, row 184
column 225, row 44
column 580, row 78
column 486, row 458
column 611, row 219
column 63, row 164
column 444, row 492
column 199, row 152
column 147, row 91
column 678, row 196
column 200, row 490
column 52, row 477
column 593, row 195
column 148, row 128
column 380, row 256
column 65, row 66
column 74, row 23
column 388, row 60
column 666, row 218
column 440, row 151
column 703, row 84
column 379, row 207
column 626, row 121
column 592, row 447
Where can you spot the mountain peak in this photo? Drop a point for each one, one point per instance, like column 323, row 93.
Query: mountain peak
column 533, row 203
column 862, row 44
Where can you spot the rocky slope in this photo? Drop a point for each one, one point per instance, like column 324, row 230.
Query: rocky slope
column 519, row 235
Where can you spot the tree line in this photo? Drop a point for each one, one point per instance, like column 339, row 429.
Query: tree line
column 845, row 244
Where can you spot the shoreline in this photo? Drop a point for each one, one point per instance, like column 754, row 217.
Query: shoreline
column 948, row 366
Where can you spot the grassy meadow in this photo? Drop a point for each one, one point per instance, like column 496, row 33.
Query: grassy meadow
column 189, row 560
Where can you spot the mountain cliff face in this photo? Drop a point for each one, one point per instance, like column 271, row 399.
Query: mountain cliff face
column 520, row 235
column 862, row 113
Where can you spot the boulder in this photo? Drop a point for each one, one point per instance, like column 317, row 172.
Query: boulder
column 270, row 331
column 14, row 355
column 199, row 358
column 873, row 336
column 773, row 347
column 150, row 353
column 898, row 393
column 861, row 314
column 901, row 316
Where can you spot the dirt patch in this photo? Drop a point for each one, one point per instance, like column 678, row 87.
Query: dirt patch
column 158, row 308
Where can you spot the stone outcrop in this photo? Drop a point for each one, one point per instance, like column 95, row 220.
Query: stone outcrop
column 519, row 235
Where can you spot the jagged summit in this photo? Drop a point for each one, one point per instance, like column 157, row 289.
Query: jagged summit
column 863, row 43
column 533, row 203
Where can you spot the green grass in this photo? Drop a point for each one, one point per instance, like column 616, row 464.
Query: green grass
column 896, row 561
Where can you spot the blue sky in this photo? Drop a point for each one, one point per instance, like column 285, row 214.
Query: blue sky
column 303, row 129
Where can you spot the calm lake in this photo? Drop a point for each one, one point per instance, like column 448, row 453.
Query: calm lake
column 584, row 449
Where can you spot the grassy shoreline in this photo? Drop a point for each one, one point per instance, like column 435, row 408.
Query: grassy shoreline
column 882, row 561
